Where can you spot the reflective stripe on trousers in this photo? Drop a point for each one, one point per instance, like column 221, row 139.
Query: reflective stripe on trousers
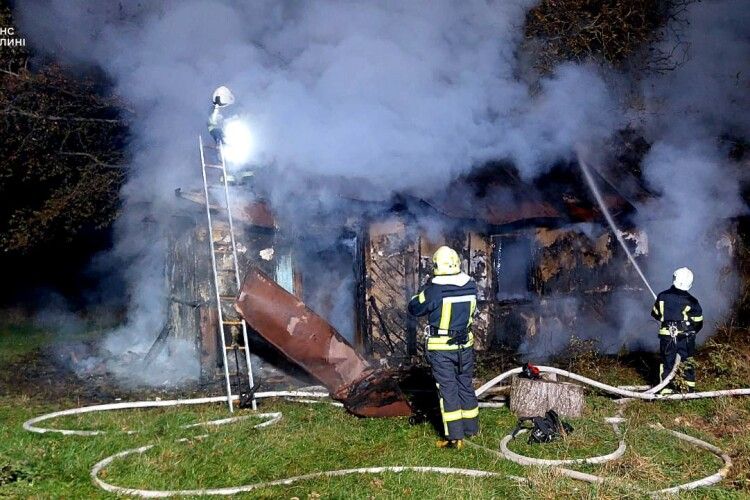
column 669, row 348
column 453, row 371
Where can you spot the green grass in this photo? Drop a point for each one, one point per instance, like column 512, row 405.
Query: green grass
column 313, row 438
column 17, row 340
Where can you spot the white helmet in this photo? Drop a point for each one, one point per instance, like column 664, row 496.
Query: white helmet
column 223, row 97
column 682, row 279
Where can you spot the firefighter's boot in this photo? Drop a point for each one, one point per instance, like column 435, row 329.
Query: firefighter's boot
column 450, row 443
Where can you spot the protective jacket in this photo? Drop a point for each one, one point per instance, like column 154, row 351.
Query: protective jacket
column 678, row 312
column 214, row 124
column 449, row 303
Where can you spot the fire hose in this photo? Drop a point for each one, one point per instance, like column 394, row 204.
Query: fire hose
column 272, row 418
column 628, row 394
column 315, row 395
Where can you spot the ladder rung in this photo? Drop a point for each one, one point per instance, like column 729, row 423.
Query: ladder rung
column 222, row 211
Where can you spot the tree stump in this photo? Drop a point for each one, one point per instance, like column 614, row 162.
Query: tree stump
column 529, row 398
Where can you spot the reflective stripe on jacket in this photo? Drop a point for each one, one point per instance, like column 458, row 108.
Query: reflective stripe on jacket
column 449, row 303
column 677, row 308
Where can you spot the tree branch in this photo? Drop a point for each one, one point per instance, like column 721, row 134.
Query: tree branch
column 15, row 111
column 93, row 158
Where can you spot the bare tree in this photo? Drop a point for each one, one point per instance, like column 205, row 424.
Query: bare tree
column 609, row 32
column 62, row 159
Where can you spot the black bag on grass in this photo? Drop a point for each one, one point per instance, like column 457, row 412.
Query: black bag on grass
column 543, row 429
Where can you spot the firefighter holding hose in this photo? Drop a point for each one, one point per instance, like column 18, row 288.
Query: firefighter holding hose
column 449, row 301
column 680, row 317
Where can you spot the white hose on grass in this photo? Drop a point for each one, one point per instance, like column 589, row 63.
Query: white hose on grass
column 618, row 391
column 629, row 393
column 272, row 418
column 591, row 478
column 233, row 490
column 708, row 480
column 573, row 474
column 306, row 395
column 572, row 376
column 30, row 425
column 524, row 460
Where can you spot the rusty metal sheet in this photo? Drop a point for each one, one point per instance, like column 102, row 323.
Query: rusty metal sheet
column 311, row 342
column 258, row 213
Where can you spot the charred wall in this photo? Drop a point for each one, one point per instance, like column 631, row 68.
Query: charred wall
column 397, row 263
column 192, row 303
column 391, row 273
column 553, row 284
column 536, row 286
column 189, row 284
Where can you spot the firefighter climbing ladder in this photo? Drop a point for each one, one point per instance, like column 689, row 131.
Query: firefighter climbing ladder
column 226, row 289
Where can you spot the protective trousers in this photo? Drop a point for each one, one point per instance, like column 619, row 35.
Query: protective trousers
column 684, row 345
column 453, row 371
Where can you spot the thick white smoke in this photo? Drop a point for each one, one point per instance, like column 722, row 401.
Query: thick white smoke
column 401, row 94
column 689, row 109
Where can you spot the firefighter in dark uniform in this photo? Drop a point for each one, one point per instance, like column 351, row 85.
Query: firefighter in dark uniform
column 680, row 317
column 449, row 301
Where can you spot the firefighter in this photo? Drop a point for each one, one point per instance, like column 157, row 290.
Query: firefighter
column 680, row 317
column 222, row 98
column 449, row 301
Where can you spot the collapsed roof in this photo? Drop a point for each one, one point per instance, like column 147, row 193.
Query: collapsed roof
column 494, row 194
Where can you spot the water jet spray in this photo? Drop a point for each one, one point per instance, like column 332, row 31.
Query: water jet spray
column 618, row 234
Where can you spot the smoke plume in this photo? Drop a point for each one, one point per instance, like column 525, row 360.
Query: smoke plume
column 400, row 95
column 689, row 110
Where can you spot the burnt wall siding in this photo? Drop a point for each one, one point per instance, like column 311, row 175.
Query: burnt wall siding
column 569, row 261
column 189, row 284
column 192, row 313
column 536, row 287
column 573, row 274
column 391, row 270
column 398, row 262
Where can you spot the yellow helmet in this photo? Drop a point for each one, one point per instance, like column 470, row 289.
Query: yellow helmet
column 446, row 261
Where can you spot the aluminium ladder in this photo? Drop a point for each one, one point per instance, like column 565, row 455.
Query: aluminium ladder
column 232, row 331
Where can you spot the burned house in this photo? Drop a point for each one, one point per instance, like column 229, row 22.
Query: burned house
column 546, row 264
